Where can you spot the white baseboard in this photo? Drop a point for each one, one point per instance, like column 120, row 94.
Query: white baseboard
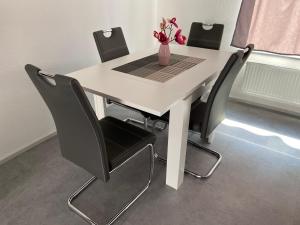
column 26, row 148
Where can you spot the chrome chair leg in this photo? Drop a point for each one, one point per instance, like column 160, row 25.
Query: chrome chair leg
column 195, row 174
column 212, row 152
column 146, row 123
column 133, row 121
column 75, row 195
column 126, row 206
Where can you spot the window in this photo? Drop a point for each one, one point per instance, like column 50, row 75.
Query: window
column 271, row 25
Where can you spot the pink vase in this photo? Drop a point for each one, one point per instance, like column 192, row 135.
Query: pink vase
column 164, row 54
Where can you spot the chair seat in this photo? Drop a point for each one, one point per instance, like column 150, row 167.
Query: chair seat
column 123, row 140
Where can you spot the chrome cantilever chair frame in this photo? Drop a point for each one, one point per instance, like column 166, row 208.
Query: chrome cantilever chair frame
column 200, row 147
column 127, row 205
column 213, row 168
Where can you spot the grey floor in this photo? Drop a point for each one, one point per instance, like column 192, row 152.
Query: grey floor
column 257, row 183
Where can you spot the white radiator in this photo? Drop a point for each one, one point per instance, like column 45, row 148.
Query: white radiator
column 272, row 86
column 272, row 82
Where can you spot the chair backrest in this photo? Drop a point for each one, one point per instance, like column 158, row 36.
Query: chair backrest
column 111, row 47
column 217, row 100
column 80, row 137
column 202, row 38
column 247, row 52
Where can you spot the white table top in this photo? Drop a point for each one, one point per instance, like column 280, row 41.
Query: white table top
column 147, row 95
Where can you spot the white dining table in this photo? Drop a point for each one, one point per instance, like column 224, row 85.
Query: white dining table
column 175, row 95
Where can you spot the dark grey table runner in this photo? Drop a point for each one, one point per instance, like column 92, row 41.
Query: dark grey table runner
column 149, row 68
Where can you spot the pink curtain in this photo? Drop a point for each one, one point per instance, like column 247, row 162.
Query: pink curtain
column 271, row 25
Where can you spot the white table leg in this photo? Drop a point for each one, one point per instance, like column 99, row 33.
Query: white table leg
column 177, row 142
column 100, row 107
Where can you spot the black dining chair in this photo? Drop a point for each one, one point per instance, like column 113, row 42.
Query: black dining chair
column 206, row 116
column 101, row 147
column 247, row 52
column 111, row 44
column 207, row 88
column 205, row 35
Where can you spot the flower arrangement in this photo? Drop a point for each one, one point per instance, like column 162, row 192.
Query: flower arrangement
column 165, row 36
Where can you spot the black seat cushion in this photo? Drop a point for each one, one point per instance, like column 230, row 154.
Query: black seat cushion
column 197, row 115
column 123, row 140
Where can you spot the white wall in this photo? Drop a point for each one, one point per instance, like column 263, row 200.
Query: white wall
column 55, row 35
column 208, row 11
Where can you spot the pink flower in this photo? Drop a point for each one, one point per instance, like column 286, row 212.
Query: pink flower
column 180, row 39
column 166, row 34
column 163, row 38
column 173, row 21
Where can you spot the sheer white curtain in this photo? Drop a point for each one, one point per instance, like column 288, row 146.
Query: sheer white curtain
column 271, row 25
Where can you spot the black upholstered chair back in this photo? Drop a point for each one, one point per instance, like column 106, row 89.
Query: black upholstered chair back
column 217, row 100
column 111, row 47
column 79, row 134
column 247, row 52
column 202, row 38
